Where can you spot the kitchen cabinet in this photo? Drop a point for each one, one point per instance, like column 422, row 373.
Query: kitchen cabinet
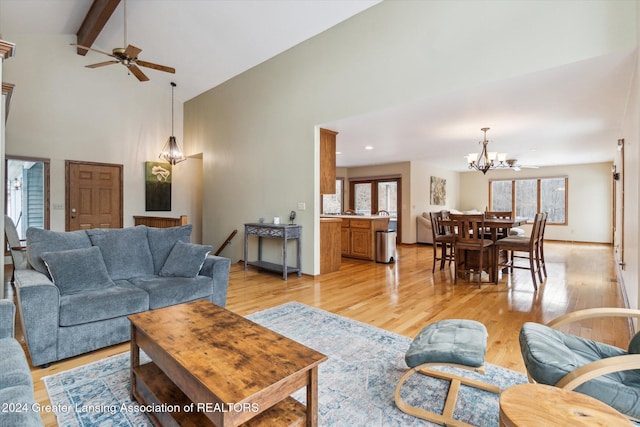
column 327, row 161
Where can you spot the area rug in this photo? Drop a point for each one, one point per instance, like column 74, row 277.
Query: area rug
column 356, row 383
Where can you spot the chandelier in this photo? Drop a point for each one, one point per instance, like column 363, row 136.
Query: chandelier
column 486, row 160
column 171, row 152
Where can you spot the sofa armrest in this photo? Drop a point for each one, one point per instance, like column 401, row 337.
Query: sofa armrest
column 39, row 302
column 424, row 234
column 217, row 268
column 426, row 222
column 7, row 318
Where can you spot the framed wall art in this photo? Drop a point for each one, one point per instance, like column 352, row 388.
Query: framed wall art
column 157, row 186
column 438, row 191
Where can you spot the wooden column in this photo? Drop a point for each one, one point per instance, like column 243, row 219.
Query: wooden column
column 7, row 50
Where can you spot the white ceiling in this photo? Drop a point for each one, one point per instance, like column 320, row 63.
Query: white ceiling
column 573, row 112
column 206, row 41
column 568, row 115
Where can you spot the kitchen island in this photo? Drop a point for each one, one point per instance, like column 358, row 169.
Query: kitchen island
column 358, row 234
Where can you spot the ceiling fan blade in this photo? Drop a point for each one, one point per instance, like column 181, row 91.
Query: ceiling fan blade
column 132, row 52
column 156, row 66
column 102, row 64
column 137, row 72
column 92, row 49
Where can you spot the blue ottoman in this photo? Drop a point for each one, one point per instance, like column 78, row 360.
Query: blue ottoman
column 456, row 342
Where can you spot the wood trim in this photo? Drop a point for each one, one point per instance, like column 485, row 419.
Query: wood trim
column 7, row 49
column 7, row 89
column 47, row 183
column 622, row 180
column 160, row 221
column 95, row 20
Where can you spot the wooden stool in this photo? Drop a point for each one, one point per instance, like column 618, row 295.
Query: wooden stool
column 457, row 342
column 533, row 405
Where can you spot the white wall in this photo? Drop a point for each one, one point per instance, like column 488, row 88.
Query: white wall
column 257, row 131
column 589, row 198
column 421, row 173
column 63, row 111
column 630, row 132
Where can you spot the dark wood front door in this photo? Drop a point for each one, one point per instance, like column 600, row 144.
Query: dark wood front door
column 94, row 195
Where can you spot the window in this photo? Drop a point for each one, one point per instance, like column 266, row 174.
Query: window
column 525, row 197
column 332, row 203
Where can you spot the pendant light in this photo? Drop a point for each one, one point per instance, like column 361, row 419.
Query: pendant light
column 486, row 160
column 171, row 152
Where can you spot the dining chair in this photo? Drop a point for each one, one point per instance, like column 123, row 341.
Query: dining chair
column 16, row 246
column 530, row 245
column 514, row 231
column 473, row 251
column 442, row 239
column 542, row 267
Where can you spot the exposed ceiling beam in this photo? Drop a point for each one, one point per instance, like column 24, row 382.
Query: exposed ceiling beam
column 94, row 22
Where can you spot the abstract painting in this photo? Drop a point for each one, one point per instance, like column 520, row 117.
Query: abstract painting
column 157, row 186
column 438, row 191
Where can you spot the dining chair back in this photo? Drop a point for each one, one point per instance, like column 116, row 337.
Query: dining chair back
column 16, row 246
column 442, row 240
column 542, row 266
column 530, row 245
column 473, row 254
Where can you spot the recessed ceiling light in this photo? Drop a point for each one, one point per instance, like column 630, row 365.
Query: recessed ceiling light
column 368, row 147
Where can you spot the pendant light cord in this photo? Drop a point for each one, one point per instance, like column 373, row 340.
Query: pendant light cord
column 173, row 85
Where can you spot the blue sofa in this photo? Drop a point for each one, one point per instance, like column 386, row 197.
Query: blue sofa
column 16, row 385
column 82, row 285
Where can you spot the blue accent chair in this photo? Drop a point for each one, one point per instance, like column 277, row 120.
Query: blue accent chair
column 605, row 372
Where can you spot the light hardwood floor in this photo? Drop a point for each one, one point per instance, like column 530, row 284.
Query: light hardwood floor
column 405, row 296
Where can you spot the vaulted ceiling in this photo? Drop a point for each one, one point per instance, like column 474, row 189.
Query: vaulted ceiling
column 570, row 114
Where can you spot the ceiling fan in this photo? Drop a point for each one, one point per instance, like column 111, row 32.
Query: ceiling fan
column 513, row 164
column 127, row 56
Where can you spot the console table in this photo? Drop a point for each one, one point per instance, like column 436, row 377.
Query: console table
column 274, row 231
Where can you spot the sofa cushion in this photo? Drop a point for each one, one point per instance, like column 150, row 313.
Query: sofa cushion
column 121, row 299
column 40, row 241
column 14, row 369
column 77, row 270
column 162, row 240
column 165, row 291
column 125, row 251
column 20, row 397
column 185, row 260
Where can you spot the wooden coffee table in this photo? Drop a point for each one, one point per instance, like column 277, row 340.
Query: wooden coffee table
column 212, row 367
column 533, row 405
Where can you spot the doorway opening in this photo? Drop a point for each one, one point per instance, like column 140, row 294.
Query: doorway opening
column 27, row 192
column 371, row 196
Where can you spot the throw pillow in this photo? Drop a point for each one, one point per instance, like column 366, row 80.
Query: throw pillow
column 125, row 251
column 40, row 241
column 162, row 240
column 185, row 260
column 77, row 270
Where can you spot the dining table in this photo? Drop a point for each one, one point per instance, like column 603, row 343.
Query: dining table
column 498, row 229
